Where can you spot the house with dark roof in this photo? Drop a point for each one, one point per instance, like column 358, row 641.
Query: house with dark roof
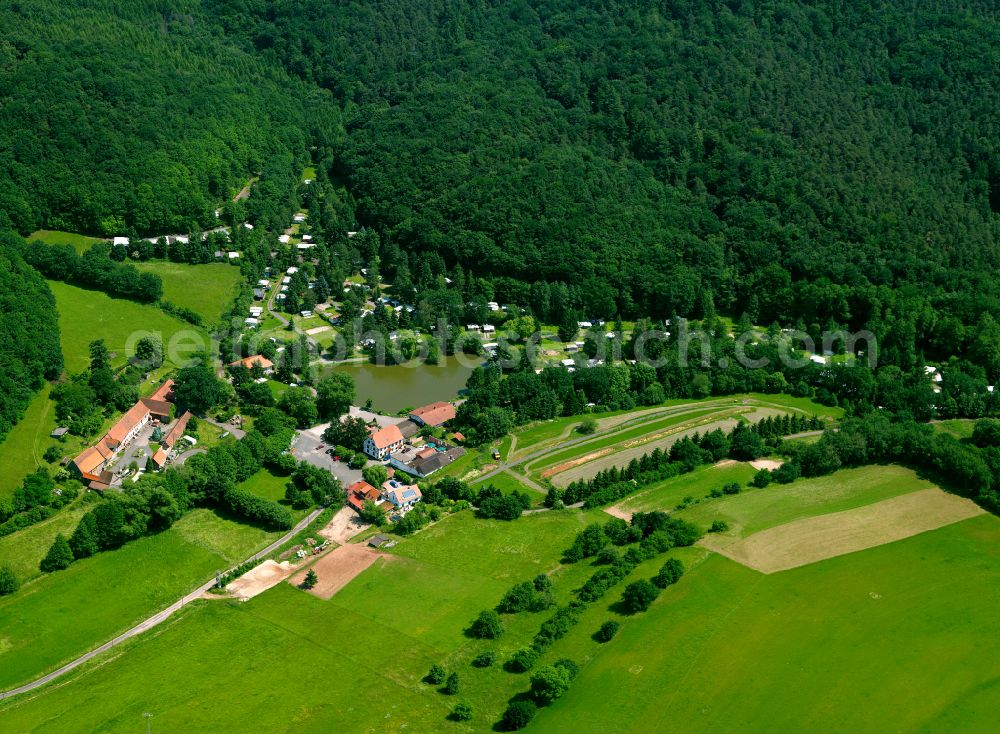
column 422, row 461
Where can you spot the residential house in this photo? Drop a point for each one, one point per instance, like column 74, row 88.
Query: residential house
column 359, row 492
column 434, row 415
column 401, row 496
column 383, row 442
column 423, row 461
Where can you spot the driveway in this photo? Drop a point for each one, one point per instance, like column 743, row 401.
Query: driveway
column 309, row 446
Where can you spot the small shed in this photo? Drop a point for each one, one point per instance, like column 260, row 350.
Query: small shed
column 59, row 432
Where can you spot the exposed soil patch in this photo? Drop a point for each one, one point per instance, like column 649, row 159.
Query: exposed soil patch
column 259, row 579
column 551, row 471
column 343, row 526
column 771, row 464
column 814, row 539
column 338, row 568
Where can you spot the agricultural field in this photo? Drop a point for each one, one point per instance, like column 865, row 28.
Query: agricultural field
column 205, row 289
column 86, row 315
column 666, row 495
column 61, row 615
column 80, row 242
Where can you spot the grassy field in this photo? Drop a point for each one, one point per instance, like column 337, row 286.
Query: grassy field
column 80, row 242
column 88, row 315
column 267, row 485
column 758, row 509
column 63, row 614
column 22, row 449
column 24, row 549
column 957, row 428
column 667, row 494
column 205, row 289
column 902, row 637
column 861, row 642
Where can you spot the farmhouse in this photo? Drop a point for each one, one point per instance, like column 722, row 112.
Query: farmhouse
column 434, row 415
column 90, row 465
column 383, row 442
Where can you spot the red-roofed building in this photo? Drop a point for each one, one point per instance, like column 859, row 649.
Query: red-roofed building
column 164, row 392
column 257, row 360
column 434, row 415
column 383, row 442
column 175, row 433
column 358, row 492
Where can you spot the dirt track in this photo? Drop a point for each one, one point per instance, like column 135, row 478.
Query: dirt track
column 813, row 539
column 338, row 568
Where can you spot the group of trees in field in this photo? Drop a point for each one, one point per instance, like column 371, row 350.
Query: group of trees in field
column 30, row 352
column 95, row 269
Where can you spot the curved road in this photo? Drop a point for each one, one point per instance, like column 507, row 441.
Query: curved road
column 155, row 619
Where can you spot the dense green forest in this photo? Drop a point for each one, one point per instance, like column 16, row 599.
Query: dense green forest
column 123, row 116
column 648, row 153
column 29, row 333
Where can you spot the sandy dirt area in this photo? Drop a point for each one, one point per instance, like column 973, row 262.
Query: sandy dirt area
column 337, row 568
column 259, row 579
column 771, row 464
column 551, row 471
column 318, row 330
column 344, row 526
column 616, row 511
column 816, row 538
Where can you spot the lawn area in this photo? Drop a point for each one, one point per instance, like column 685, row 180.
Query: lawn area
column 903, row 637
column 667, row 494
column 206, row 289
column 88, row 315
column 266, row 484
column 758, row 509
column 60, row 615
column 22, row 449
column 958, row 428
column 507, row 483
column 24, row 549
column 80, row 242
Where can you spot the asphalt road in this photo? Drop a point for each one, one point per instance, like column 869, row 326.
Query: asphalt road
column 154, row 620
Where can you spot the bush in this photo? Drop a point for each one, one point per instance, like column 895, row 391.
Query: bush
column 451, row 684
column 523, row 660
column 518, row 715
column 762, row 478
column 549, row 683
column 59, row 556
column 435, row 675
column 487, row 626
column 731, row 488
column 719, row 526
column 607, row 631
column 461, row 712
column 670, row 573
column 638, row 596
column 484, row 659
column 8, row 580
column 587, row 426
column 787, row 473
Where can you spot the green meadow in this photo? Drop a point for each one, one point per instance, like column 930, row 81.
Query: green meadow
column 903, row 637
column 759, row 509
column 86, row 315
column 666, row 495
column 24, row 549
column 63, row 614
column 80, row 242
column 22, row 449
column 205, row 289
